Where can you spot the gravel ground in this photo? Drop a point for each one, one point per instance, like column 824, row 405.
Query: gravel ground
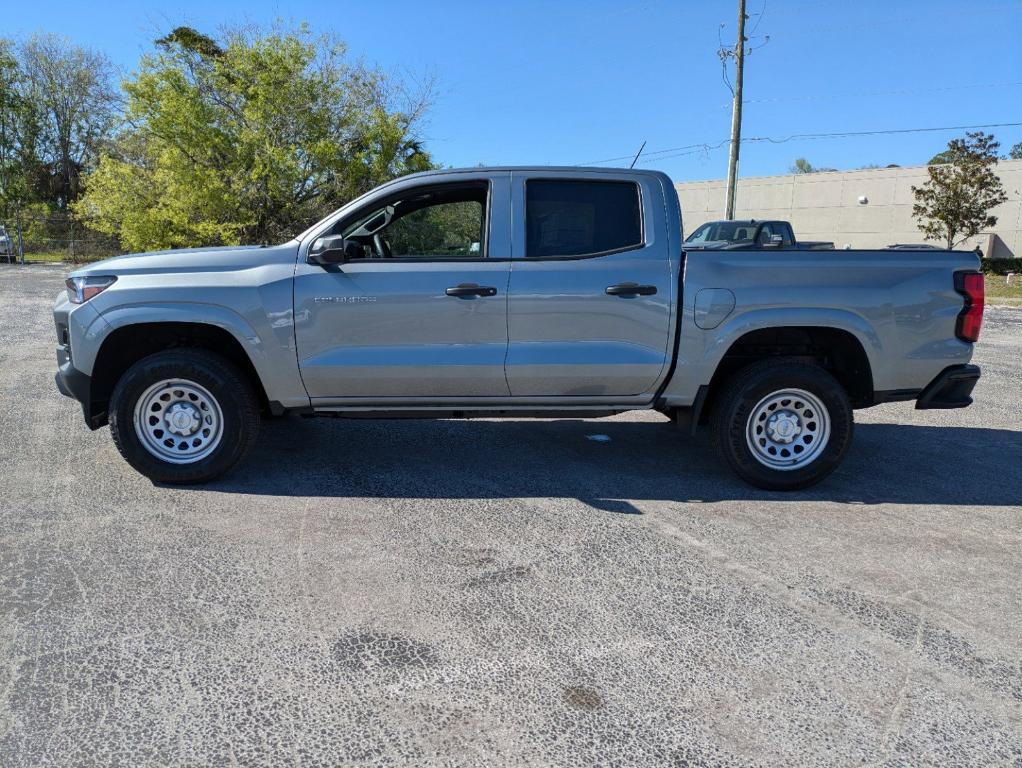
column 505, row 593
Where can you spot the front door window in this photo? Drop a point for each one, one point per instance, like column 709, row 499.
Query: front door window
column 439, row 224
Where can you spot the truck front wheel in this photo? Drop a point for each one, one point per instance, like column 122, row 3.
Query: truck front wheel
column 183, row 416
column 782, row 425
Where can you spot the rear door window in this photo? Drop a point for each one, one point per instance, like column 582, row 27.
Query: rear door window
column 789, row 237
column 765, row 233
column 772, row 228
column 573, row 219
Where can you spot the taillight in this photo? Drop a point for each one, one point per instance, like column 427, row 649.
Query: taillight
column 970, row 319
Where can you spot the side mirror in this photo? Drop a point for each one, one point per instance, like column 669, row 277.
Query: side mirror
column 334, row 249
column 776, row 241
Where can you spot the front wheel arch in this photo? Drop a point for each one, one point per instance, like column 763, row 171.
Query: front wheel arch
column 139, row 424
column 127, row 344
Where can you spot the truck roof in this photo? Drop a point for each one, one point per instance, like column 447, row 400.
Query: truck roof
column 540, row 168
column 746, row 221
column 529, row 169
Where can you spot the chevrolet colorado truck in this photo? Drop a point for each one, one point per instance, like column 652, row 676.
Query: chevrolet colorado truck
column 511, row 293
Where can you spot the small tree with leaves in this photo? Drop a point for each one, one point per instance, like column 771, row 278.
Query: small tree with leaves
column 1015, row 153
column 955, row 202
column 249, row 137
column 801, row 165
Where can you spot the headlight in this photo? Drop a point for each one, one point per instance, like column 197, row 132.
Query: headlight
column 81, row 289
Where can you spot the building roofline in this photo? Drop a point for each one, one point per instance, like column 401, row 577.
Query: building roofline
column 819, row 174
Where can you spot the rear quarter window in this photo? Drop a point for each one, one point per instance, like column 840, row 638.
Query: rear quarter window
column 568, row 219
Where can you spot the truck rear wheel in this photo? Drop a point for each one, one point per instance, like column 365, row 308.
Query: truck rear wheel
column 782, row 425
column 183, row 416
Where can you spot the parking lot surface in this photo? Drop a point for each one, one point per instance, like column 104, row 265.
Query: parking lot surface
column 562, row 592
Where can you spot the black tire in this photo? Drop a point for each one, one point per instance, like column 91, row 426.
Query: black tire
column 746, row 390
column 234, row 395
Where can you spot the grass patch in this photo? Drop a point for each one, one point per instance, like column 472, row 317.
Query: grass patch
column 46, row 257
column 999, row 292
column 54, row 257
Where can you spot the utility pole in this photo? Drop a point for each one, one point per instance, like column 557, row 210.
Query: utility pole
column 736, row 116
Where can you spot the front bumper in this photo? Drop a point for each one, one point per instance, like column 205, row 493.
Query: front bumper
column 73, row 383
column 951, row 388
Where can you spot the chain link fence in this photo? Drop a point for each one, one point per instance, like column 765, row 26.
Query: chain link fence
column 33, row 235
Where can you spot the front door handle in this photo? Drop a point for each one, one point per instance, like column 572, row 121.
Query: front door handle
column 471, row 289
column 630, row 289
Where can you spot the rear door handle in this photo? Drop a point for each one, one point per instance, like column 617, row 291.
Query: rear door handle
column 471, row 289
column 630, row 289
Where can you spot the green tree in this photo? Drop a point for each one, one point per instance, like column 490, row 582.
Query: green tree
column 248, row 138
column 801, row 165
column 73, row 107
column 955, row 202
column 1015, row 153
column 13, row 178
column 449, row 229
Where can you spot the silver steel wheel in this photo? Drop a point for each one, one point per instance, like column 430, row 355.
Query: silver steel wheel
column 788, row 429
column 178, row 421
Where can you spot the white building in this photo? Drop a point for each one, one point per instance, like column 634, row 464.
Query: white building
column 863, row 209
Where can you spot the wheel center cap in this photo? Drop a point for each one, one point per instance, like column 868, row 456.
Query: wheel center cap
column 784, row 427
column 181, row 419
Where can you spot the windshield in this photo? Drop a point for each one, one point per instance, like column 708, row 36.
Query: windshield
column 732, row 231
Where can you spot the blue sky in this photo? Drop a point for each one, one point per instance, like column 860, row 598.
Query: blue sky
column 575, row 82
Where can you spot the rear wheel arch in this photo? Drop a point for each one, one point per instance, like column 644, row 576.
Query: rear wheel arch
column 784, row 424
column 838, row 351
column 127, row 344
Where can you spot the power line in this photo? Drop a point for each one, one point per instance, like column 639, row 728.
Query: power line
column 902, row 92
column 636, row 159
column 696, row 147
column 762, row 12
column 703, row 148
column 659, row 154
column 878, row 133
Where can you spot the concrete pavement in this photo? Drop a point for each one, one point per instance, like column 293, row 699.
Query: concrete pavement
column 507, row 593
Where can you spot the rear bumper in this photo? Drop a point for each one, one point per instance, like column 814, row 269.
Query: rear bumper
column 951, row 388
column 73, row 383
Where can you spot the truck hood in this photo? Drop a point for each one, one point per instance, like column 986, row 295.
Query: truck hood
column 190, row 260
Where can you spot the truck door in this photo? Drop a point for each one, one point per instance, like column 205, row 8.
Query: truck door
column 592, row 286
column 420, row 310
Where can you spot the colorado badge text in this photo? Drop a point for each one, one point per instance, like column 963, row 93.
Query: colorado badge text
column 343, row 299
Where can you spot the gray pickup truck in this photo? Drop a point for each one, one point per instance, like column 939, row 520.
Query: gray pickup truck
column 510, row 293
column 733, row 234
